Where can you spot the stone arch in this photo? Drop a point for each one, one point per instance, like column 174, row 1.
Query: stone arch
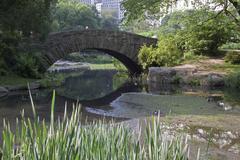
column 123, row 46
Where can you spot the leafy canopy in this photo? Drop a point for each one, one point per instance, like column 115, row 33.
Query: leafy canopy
column 142, row 9
column 198, row 32
column 72, row 14
column 26, row 16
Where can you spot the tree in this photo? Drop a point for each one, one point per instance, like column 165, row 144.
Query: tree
column 137, row 9
column 195, row 31
column 187, row 33
column 109, row 20
column 26, row 16
column 72, row 14
column 22, row 19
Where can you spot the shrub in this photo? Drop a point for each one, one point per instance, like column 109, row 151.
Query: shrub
column 13, row 60
column 165, row 54
column 195, row 82
column 27, row 65
column 232, row 57
column 230, row 45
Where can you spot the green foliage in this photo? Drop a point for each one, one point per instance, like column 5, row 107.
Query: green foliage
column 72, row 15
column 27, row 65
column 8, row 44
column 13, row 79
column 26, row 16
column 165, row 54
column 109, row 20
column 119, row 65
column 189, row 56
column 231, row 45
column 25, row 19
column 192, row 32
column 142, row 27
column 14, row 60
column 145, row 9
column 52, row 80
column 119, row 79
column 90, row 56
column 233, row 80
column 109, row 23
column 226, row 67
column 68, row 138
column 232, row 57
column 198, row 32
column 137, row 9
column 195, row 82
column 176, row 79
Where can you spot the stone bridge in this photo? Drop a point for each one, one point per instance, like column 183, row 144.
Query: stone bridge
column 123, row 46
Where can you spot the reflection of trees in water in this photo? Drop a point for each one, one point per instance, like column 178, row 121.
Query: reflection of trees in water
column 92, row 84
column 232, row 95
column 119, row 79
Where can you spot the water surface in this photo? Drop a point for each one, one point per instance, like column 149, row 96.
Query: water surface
column 106, row 93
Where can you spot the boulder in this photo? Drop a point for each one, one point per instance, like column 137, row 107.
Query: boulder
column 3, row 92
column 163, row 75
column 185, row 75
column 215, row 80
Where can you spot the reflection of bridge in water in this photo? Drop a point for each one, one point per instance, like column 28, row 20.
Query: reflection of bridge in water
column 121, row 45
column 107, row 99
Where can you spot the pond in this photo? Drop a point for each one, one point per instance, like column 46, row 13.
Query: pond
column 107, row 93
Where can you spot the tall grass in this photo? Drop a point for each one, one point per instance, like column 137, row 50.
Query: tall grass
column 67, row 139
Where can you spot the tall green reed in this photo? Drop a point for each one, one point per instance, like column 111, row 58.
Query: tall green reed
column 66, row 138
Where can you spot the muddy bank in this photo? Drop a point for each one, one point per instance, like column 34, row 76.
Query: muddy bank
column 193, row 115
column 217, row 137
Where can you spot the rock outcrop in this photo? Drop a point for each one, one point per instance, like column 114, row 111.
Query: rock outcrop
column 163, row 75
column 186, row 74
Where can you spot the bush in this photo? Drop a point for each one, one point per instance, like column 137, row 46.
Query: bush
column 232, row 57
column 231, row 45
column 165, row 54
column 27, row 65
column 14, row 60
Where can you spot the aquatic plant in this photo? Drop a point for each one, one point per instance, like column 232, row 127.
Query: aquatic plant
column 67, row 138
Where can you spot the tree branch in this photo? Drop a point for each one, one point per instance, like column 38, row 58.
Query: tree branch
column 236, row 5
column 233, row 16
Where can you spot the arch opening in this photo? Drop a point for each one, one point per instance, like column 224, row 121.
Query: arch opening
column 132, row 67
